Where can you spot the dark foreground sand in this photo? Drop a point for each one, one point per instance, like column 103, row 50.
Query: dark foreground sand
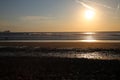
column 64, row 44
column 48, row 68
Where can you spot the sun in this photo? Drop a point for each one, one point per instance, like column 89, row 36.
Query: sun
column 89, row 14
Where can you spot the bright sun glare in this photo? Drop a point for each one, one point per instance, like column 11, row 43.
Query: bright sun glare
column 89, row 14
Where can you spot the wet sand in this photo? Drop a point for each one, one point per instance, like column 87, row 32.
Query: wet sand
column 64, row 44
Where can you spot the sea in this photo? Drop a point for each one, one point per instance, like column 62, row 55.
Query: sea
column 59, row 36
column 101, row 54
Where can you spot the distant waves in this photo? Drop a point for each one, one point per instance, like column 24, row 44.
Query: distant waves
column 59, row 36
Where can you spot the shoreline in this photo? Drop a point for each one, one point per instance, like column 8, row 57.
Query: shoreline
column 64, row 44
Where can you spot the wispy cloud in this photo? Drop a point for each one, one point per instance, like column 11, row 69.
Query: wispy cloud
column 36, row 18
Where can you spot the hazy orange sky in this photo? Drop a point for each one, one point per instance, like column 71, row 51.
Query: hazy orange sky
column 59, row 15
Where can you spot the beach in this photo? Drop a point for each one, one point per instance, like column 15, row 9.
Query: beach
column 64, row 44
column 59, row 39
column 48, row 68
column 57, row 68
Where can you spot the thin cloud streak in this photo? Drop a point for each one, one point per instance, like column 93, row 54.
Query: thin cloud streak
column 85, row 5
column 36, row 18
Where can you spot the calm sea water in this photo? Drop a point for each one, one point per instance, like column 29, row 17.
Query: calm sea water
column 60, row 37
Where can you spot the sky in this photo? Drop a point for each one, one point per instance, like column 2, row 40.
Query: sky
column 59, row 15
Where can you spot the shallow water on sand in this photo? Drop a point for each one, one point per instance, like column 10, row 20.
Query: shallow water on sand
column 101, row 54
column 92, row 55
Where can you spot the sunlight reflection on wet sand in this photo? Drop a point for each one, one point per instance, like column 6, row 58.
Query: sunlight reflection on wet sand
column 93, row 55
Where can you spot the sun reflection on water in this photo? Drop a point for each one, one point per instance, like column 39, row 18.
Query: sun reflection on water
column 89, row 38
column 89, row 33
